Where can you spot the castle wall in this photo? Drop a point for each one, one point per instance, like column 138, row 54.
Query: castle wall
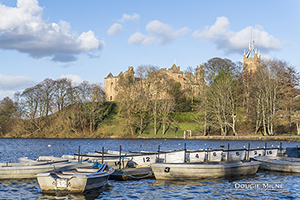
column 188, row 81
column 109, row 88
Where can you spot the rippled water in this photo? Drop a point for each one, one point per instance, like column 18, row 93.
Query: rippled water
column 12, row 149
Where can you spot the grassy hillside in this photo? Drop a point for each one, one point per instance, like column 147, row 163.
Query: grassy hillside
column 72, row 123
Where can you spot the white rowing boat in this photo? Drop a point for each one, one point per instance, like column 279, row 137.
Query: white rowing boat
column 281, row 164
column 26, row 170
column 177, row 171
column 75, row 178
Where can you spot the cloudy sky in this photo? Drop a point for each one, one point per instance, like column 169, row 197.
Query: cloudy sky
column 86, row 40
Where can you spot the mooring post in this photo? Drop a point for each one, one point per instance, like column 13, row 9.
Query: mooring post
column 102, row 154
column 228, row 152
column 158, row 150
column 280, row 147
column 120, row 156
column 265, row 149
column 207, row 154
column 248, row 152
column 79, row 154
column 184, row 152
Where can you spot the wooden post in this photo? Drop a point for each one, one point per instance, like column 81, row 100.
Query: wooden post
column 184, row 152
column 184, row 134
column 158, row 150
column 280, row 147
column 228, row 152
column 120, row 156
column 79, row 154
column 208, row 154
column 248, row 156
column 102, row 154
column 265, row 149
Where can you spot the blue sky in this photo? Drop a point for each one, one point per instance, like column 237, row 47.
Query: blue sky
column 86, row 40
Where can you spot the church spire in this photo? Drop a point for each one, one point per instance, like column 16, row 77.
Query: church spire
column 251, row 47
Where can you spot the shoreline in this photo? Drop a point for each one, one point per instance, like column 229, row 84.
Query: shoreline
column 263, row 138
column 254, row 138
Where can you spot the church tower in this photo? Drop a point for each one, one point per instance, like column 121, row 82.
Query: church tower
column 251, row 64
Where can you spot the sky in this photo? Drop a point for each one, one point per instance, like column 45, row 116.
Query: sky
column 87, row 40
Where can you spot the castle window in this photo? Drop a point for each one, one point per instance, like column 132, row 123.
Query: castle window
column 110, row 98
column 111, row 86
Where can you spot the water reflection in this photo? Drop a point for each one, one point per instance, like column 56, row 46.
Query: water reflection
column 204, row 181
column 93, row 194
column 18, row 189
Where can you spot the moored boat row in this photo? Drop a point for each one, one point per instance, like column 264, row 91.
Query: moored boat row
column 76, row 173
column 119, row 160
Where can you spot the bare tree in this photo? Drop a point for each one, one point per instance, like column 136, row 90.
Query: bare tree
column 7, row 110
column 94, row 107
column 166, row 108
column 46, row 89
column 221, row 103
column 158, row 86
column 275, row 84
column 61, row 89
column 143, row 71
column 142, row 106
column 127, row 99
column 32, row 100
column 90, row 98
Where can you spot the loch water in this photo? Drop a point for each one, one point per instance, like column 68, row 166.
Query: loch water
column 262, row 185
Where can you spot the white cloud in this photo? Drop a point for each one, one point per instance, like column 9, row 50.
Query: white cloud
column 74, row 78
column 230, row 41
column 6, row 93
column 9, row 85
column 140, row 39
column 14, row 82
column 158, row 33
column 87, row 41
column 126, row 17
column 115, row 29
column 22, row 29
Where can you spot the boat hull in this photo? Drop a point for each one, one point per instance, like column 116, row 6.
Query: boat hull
column 23, row 170
column 132, row 174
column 78, row 182
column 280, row 164
column 177, row 171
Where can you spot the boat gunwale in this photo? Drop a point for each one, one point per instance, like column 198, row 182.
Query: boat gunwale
column 204, row 165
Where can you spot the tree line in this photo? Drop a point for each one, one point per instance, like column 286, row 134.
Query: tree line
column 232, row 101
column 265, row 101
column 76, row 109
